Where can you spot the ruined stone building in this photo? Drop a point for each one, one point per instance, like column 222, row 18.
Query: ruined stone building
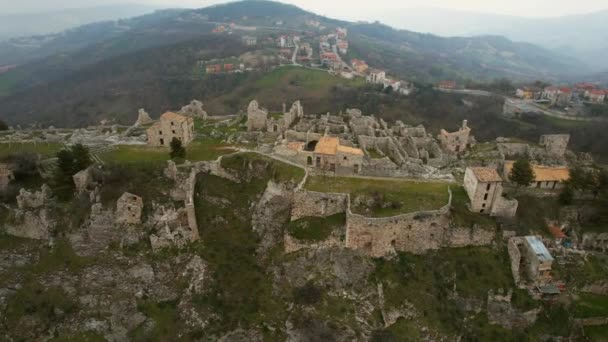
column 258, row 119
column 457, row 141
column 555, row 144
column 6, row 176
column 545, row 177
column 194, row 109
column 129, row 208
column 381, row 150
column 484, row 188
column 171, row 125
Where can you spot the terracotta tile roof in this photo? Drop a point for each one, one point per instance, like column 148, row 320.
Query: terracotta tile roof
column 173, row 116
column 331, row 146
column 350, row 150
column 597, row 92
column 486, row 174
column 327, row 145
column 556, row 232
column 544, row 173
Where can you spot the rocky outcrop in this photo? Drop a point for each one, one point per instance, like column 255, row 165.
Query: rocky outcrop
column 501, row 312
column 128, row 209
column 32, row 224
column 270, row 215
column 33, row 200
column 84, row 180
column 317, row 204
column 171, row 229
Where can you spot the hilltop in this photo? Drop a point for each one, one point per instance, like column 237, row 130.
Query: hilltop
column 84, row 61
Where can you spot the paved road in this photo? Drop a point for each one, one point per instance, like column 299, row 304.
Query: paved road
column 524, row 105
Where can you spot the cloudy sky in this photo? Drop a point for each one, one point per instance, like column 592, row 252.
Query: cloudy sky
column 350, row 9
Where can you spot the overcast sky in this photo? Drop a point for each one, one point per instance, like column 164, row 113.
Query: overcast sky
column 350, row 9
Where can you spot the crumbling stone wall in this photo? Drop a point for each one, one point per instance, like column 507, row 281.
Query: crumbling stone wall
column 129, row 208
column 415, row 233
column 194, row 109
column 555, row 144
column 457, row 141
column 256, row 117
column 515, row 257
column 6, row 176
column 317, row 204
column 504, row 207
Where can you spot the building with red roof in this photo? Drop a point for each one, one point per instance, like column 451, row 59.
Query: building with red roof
column 596, row 95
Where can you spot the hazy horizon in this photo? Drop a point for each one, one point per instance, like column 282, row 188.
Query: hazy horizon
column 339, row 8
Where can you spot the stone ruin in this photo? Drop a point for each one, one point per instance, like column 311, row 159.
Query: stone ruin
column 128, row 209
column 6, row 176
column 84, row 180
column 550, row 151
column 143, row 118
column 390, row 151
column 32, row 220
column 194, row 109
column 258, row 119
column 33, row 200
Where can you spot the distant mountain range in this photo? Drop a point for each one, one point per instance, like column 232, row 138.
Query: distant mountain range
column 584, row 36
column 129, row 59
column 53, row 21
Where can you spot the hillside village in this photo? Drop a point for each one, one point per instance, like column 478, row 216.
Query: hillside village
column 441, row 191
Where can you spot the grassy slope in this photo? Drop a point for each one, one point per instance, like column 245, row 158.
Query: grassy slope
column 283, row 85
column 410, row 196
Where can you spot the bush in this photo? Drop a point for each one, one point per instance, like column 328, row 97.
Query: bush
column 308, row 294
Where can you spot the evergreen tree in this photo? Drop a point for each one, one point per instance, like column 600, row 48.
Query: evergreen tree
column 65, row 163
column 566, row 197
column 82, row 157
column 177, row 150
column 3, row 126
column 522, row 173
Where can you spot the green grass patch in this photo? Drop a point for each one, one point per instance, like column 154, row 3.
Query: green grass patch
column 195, row 151
column 61, row 257
column 167, row 323
column 591, row 305
column 580, row 272
column 88, row 336
column 390, row 198
column 461, row 215
column 315, row 228
column 245, row 163
column 305, row 78
column 241, row 294
column 427, row 281
column 529, row 220
column 44, row 149
column 596, row 333
column 374, row 154
column 35, row 300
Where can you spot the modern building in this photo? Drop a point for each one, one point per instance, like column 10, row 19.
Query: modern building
column 171, row 125
column 537, row 259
